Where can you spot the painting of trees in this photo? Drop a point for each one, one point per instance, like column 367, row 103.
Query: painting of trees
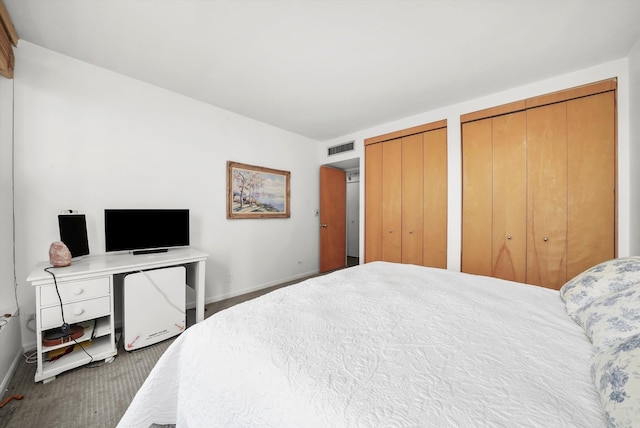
column 256, row 192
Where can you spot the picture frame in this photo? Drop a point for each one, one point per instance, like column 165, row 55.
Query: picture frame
column 257, row 192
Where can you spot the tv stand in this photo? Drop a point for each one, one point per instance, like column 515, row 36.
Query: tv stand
column 153, row 251
column 86, row 290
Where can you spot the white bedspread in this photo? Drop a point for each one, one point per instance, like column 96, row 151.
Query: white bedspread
column 379, row 345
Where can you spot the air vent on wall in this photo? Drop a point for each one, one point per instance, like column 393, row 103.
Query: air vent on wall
column 346, row 147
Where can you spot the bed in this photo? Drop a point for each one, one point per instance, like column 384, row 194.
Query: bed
column 392, row 345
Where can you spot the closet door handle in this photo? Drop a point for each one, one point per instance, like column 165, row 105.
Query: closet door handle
column 509, row 237
column 390, row 230
column 545, row 239
column 410, row 231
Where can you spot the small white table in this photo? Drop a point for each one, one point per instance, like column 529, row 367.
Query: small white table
column 86, row 291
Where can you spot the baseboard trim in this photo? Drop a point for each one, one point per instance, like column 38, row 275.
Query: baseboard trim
column 235, row 293
column 9, row 375
column 10, row 340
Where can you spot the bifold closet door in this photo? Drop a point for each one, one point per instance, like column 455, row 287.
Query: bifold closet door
column 406, row 198
column 547, row 195
column 538, row 187
column 435, row 201
column 412, row 199
column 392, row 201
column 591, row 153
column 373, row 203
column 477, row 166
column 494, row 216
column 509, row 201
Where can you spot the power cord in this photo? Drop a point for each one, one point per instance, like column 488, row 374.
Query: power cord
column 31, row 357
column 13, row 196
column 65, row 328
column 162, row 293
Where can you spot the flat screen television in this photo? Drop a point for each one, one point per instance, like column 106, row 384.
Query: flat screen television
column 144, row 231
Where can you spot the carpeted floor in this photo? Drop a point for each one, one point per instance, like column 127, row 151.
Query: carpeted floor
column 95, row 395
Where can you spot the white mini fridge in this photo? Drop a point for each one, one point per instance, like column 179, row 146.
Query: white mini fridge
column 154, row 306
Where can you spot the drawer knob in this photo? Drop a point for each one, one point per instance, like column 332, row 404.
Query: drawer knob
column 78, row 291
column 78, row 311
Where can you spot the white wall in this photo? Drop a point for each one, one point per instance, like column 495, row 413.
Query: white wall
column 89, row 139
column 634, row 146
column 619, row 69
column 10, row 349
column 7, row 295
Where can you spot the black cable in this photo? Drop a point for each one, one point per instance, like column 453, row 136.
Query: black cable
column 13, row 191
column 66, row 328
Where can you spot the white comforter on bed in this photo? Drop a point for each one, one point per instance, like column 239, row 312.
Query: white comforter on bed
column 379, row 345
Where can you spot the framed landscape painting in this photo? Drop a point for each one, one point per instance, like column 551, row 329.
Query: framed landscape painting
column 257, row 192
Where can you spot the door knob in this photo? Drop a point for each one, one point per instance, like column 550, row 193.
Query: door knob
column 545, row 239
column 324, row 225
column 509, row 237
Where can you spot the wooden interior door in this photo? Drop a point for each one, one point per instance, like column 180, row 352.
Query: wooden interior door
column 373, row 203
column 412, row 196
column 476, row 197
column 591, row 152
column 547, row 195
column 391, row 201
column 434, row 211
column 509, row 242
column 333, row 219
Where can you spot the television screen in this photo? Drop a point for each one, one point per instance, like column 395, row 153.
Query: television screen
column 145, row 230
column 73, row 232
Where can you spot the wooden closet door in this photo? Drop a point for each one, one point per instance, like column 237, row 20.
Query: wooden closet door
column 591, row 211
column 509, row 242
column 476, row 197
column 373, row 203
column 547, row 195
column 412, row 197
column 434, row 245
column 391, row 201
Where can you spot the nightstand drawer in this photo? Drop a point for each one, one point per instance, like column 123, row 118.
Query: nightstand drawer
column 74, row 291
column 75, row 312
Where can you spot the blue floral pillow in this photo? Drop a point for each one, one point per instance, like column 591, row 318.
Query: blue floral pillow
column 601, row 280
column 610, row 319
column 616, row 373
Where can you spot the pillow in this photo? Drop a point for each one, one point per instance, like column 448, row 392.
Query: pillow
column 603, row 279
column 616, row 374
column 611, row 319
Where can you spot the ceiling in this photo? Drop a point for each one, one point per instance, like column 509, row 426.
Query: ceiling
column 324, row 69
